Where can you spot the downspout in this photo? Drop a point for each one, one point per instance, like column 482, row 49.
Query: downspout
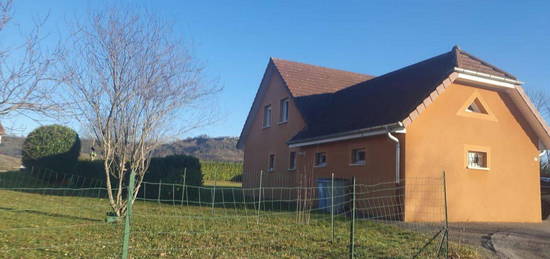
column 397, row 155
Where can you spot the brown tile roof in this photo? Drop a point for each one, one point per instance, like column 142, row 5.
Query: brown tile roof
column 303, row 79
column 468, row 61
column 389, row 98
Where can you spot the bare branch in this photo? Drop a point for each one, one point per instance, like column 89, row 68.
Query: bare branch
column 25, row 82
column 130, row 81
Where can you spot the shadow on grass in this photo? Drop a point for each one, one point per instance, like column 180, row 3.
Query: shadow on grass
column 41, row 213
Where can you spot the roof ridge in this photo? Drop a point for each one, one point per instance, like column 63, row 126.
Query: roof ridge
column 318, row 66
column 456, row 51
column 485, row 63
column 399, row 70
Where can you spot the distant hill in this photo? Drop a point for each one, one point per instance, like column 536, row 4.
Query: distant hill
column 202, row 147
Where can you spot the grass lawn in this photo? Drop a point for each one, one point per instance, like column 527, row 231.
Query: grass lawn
column 53, row 224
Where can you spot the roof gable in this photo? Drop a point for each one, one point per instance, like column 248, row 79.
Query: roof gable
column 307, row 84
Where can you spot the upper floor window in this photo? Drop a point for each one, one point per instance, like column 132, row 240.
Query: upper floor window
column 320, row 159
column 283, row 117
column 271, row 163
column 358, row 156
column 267, row 116
column 292, row 161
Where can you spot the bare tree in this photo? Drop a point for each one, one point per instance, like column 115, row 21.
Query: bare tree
column 541, row 100
column 25, row 85
column 132, row 83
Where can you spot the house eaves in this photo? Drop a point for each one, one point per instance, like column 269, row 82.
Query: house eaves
column 396, row 127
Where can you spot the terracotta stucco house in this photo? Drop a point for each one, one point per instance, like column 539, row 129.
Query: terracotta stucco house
column 453, row 112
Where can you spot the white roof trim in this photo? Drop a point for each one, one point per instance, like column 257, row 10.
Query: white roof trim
column 363, row 134
column 485, row 79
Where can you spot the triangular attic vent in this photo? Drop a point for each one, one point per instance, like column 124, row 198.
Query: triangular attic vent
column 476, row 106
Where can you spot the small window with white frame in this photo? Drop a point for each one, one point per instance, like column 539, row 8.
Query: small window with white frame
column 283, row 113
column 320, row 159
column 292, row 161
column 271, row 163
column 477, row 160
column 267, row 116
column 358, row 156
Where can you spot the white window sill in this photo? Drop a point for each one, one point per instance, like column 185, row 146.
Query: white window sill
column 320, row 166
column 282, row 122
column 357, row 164
column 266, row 127
column 270, row 170
column 478, row 168
column 292, row 169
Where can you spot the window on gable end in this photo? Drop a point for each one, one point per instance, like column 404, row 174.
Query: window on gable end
column 476, row 106
column 283, row 112
column 267, row 116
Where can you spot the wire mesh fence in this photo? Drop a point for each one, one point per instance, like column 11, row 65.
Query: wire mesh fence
column 45, row 214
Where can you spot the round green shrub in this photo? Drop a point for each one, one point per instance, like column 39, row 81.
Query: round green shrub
column 53, row 147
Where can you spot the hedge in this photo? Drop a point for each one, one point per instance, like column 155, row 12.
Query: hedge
column 170, row 169
column 222, row 171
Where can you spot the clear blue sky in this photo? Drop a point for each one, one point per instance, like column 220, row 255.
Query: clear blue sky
column 236, row 38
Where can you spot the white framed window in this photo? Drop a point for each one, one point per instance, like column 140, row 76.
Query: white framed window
column 320, row 159
column 292, row 161
column 283, row 112
column 267, row 116
column 271, row 163
column 358, row 156
column 477, row 160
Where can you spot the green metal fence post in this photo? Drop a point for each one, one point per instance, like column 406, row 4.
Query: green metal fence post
column 126, row 239
column 183, row 187
column 173, row 194
column 352, row 225
column 260, row 197
column 332, row 206
column 160, row 190
column 214, row 191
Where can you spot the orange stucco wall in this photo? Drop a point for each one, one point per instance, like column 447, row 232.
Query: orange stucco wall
column 261, row 142
column 440, row 137
column 379, row 160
